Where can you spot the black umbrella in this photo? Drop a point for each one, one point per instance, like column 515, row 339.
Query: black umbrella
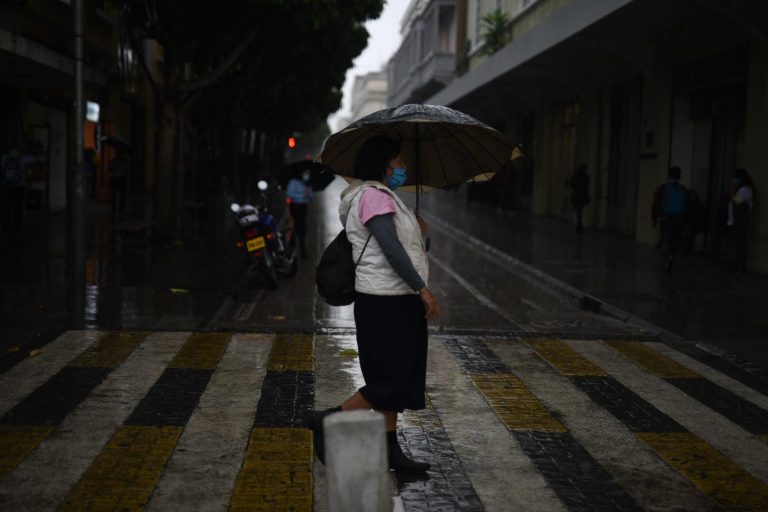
column 445, row 147
column 320, row 176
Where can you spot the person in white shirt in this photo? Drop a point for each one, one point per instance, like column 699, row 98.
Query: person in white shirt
column 740, row 215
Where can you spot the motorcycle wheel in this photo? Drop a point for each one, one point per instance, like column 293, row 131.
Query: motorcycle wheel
column 288, row 267
column 270, row 273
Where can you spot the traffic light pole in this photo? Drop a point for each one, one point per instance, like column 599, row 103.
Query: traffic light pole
column 78, row 214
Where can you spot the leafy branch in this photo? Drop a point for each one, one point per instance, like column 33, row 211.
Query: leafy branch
column 496, row 31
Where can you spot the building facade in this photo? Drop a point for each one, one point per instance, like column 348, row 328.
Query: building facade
column 369, row 94
column 37, row 94
column 630, row 88
column 426, row 60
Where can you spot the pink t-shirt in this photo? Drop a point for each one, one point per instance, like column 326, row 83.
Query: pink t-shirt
column 375, row 202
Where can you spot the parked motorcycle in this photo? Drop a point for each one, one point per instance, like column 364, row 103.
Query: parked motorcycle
column 270, row 248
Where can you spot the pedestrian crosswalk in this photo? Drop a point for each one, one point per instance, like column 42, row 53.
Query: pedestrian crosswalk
column 214, row 421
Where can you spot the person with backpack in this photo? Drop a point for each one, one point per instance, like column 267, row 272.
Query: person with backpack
column 392, row 302
column 671, row 208
column 740, row 206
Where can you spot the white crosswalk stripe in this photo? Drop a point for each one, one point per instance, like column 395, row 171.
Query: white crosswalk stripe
column 59, row 462
column 208, row 455
column 30, row 373
column 653, row 484
column 718, row 431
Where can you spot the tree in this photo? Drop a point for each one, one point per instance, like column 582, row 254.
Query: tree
column 271, row 65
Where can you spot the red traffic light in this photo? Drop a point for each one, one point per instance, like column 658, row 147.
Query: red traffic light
column 291, row 142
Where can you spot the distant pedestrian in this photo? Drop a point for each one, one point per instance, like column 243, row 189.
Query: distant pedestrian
column 504, row 184
column 580, row 194
column 740, row 206
column 300, row 194
column 89, row 173
column 671, row 208
column 119, row 169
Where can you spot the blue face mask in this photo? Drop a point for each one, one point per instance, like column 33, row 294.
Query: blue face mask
column 397, row 179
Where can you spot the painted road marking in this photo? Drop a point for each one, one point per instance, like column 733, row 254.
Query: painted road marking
column 277, row 469
column 564, row 359
column 733, row 487
column 124, row 474
column 276, row 472
column 55, row 399
column 715, row 474
column 203, row 350
column 744, row 413
column 658, row 364
column 209, row 453
column 574, row 475
column 43, row 480
column 633, row 465
column 16, row 441
column 31, row 373
column 508, row 482
column 514, row 404
column 291, row 353
column 740, row 446
column 110, row 351
column 728, row 382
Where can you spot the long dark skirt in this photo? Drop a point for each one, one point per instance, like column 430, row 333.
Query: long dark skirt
column 392, row 343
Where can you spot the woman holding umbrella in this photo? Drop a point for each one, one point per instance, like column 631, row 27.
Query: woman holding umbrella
column 393, row 302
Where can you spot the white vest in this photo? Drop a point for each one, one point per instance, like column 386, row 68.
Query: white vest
column 374, row 275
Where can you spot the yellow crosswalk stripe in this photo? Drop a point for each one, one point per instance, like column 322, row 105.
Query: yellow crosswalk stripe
column 276, row 472
column 652, row 361
column 124, row 474
column 566, row 360
column 202, row 351
column 514, row 404
column 713, row 473
column 110, row 351
column 16, row 441
column 291, row 352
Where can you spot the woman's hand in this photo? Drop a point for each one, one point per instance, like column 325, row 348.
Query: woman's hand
column 430, row 304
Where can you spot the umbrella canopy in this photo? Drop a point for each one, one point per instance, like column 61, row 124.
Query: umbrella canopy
column 442, row 146
column 320, row 176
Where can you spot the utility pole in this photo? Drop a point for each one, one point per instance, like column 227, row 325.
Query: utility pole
column 78, row 221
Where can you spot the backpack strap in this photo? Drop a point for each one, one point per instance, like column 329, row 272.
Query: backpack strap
column 369, row 236
column 361, row 252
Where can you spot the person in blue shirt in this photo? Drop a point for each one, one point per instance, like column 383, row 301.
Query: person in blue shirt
column 300, row 194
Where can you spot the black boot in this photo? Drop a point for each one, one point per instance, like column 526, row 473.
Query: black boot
column 315, row 423
column 399, row 461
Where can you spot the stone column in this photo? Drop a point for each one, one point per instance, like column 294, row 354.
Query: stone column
column 356, row 462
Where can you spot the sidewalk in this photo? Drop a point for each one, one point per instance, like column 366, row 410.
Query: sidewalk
column 175, row 285
column 699, row 301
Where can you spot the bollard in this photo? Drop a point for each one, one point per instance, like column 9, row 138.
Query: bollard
column 356, row 462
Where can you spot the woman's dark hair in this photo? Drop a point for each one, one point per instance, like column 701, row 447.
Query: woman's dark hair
column 373, row 157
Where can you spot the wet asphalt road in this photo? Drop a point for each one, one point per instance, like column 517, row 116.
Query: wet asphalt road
column 479, row 293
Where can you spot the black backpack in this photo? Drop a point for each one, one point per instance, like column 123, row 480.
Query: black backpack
column 335, row 273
